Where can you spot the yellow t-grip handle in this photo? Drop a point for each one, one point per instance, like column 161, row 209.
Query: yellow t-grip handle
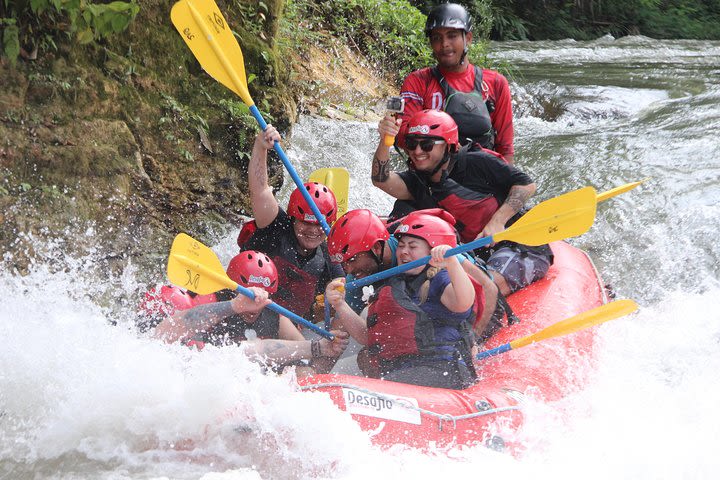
column 393, row 105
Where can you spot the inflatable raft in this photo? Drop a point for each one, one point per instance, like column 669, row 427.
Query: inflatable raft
column 491, row 411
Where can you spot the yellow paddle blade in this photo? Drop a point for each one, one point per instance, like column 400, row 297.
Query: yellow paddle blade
column 195, row 267
column 609, row 311
column 338, row 179
column 208, row 35
column 565, row 216
column 617, row 191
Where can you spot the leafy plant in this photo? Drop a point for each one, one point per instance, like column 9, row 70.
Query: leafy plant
column 35, row 23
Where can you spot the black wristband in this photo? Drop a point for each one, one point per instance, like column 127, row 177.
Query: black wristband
column 315, row 349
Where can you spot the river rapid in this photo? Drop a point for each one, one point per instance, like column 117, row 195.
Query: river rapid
column 81, row 398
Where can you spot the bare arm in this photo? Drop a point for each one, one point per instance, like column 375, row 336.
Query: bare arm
column 286, row 351
column 387, row 181
column 198, row 319
column 518, row 195
column 459, row 295
column 345, row 317
column 288, row 331
column 264, row 204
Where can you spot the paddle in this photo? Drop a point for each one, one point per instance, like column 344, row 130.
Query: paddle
column 338, row 180
column 565, row 216
column 194, row 266
column 617, row 191
column 596, row 316
column 208, row 35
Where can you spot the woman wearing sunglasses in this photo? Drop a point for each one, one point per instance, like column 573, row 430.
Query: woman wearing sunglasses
column 484, row 193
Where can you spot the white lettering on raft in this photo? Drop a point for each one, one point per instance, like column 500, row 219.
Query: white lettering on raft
column 389, row 407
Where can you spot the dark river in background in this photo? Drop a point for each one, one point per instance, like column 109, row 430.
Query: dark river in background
column 81, row 399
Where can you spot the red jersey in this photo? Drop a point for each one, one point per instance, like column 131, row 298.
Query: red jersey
column 421, row 90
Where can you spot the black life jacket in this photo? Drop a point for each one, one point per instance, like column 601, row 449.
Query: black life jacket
column 233, row 328
column 296, row 286
column 469, row 110
column 399, row 330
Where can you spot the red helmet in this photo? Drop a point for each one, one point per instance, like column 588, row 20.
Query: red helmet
column 165, row 300
column 324, row 199
column 355, row 232
column 253, row 269
column 435, row 226
column 433, row 123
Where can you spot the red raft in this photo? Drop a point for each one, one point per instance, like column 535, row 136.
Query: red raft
column 490, row 411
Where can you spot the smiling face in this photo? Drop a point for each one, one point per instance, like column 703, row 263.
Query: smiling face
column 309, row 235
column 422, row 160
column 360, row 265
column 448, row 46
column 411, row 248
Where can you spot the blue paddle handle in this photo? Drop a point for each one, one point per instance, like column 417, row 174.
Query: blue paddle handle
column 284, row 311
column 327, row 315
column 288, row 166
column 480, row 242
column 493, row 351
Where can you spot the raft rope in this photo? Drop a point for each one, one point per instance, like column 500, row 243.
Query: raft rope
column 442, row 417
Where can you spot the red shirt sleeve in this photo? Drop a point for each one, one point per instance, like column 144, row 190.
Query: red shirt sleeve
column 502, row 118
column 413, row 91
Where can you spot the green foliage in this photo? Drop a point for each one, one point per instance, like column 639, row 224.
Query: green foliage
column 35, row 23
column 390, row 33
column 587, row 19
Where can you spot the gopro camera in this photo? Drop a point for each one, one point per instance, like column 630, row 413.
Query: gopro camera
column 395, row 104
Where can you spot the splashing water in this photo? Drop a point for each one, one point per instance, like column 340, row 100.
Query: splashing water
column 81, row 398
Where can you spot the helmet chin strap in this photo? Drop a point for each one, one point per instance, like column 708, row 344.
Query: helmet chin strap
column 445, row 159
column 378, row 259
column 465, row 49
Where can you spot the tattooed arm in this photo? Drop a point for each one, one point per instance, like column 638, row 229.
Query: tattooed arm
column 281, row 352
column 515, row 200
column 386, row 180
column 264, row 204
column 185, row 323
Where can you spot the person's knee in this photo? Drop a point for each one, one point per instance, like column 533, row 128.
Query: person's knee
column 502, row 285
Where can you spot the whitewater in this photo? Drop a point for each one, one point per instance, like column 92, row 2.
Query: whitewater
column 84, row 395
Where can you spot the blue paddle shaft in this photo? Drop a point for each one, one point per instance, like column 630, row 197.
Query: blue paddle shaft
column 288, row 166
column 327, row 315
column 361, row 282
column 284, row 311
column 493, row 351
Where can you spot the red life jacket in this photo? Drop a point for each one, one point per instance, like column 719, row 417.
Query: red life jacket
column 472, row 210
column 296, row 286
column 397, row 327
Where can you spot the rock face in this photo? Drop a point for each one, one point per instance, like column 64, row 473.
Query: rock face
column 118, row 146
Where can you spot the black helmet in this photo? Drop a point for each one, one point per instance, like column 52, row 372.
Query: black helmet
column 448, row 15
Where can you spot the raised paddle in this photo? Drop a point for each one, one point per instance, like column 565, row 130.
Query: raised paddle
column 601, row 197
column 194, row 266
column 596, row 316
column 338, row 180
column 208, row 35
column 565, row 216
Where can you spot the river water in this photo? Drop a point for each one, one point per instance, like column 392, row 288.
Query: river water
column 82, row 399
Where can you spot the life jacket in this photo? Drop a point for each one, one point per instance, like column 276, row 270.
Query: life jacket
column 469, row 110
column 234, row 328
column 472, row 210
column 296, row 286
column 400, row 330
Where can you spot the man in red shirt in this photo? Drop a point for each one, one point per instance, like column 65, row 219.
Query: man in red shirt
column 478, row 99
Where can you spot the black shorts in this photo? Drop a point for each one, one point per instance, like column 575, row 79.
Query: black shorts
column 520, row 265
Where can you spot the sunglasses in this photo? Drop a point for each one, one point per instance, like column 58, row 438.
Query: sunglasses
column 426, row 144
